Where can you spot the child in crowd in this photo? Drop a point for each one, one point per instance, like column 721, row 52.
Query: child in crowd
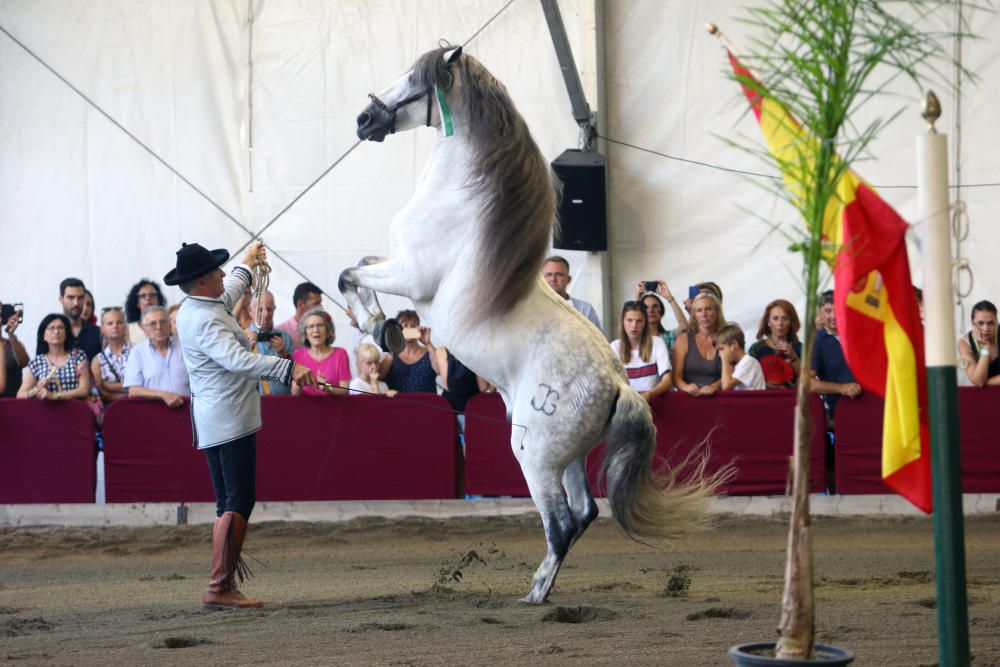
column 645, row 357
column 367, row 382
column 739, row 369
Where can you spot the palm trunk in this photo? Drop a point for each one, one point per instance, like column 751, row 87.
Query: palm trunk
column 797, row 622
column 798, row 618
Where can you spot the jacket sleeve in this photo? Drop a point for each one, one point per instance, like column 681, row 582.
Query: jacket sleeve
column 221, row 346
column 234, row 284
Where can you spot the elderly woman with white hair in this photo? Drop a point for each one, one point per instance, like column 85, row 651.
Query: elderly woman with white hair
column 315, row 351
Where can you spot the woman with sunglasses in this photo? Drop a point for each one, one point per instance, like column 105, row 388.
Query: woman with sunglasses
column 645, row 357
column 108, row 366
column 697, row 363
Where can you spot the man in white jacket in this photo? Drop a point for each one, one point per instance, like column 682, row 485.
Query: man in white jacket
column 225, row 403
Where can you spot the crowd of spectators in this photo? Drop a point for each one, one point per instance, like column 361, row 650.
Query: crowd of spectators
column 102, row 355
column 132, row 350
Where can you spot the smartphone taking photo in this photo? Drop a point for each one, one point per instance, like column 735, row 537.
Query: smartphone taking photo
column 7, row 311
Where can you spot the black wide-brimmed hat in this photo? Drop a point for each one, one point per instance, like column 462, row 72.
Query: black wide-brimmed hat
column 194, row 261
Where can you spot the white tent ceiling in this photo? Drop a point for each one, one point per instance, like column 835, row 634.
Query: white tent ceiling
column 82, row 198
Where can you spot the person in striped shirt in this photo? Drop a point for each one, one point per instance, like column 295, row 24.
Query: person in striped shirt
column 646, row 358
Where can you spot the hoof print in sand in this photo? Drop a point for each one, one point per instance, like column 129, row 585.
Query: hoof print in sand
column 16, row 627
column 577, row 615
column 719, row 612
column 387, row 627
column 180, row 642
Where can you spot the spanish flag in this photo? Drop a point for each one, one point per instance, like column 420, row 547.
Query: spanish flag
column 877, row 314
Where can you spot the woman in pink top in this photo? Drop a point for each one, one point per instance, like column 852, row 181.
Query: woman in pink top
column 330, row 364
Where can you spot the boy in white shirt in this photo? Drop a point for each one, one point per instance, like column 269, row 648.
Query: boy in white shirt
column 367, row 382
column 739, row 369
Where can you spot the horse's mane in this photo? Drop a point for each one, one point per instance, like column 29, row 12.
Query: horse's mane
column 509, row 171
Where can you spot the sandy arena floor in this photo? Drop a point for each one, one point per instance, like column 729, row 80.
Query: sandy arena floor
column 444, row 592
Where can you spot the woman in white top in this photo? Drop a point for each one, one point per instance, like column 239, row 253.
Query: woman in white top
column 646, row 358
column 108, row 367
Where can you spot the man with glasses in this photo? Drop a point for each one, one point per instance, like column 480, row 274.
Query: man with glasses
column 155, row 367
column 72, row 293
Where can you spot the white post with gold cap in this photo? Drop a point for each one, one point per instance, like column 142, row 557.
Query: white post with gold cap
column 942, row 393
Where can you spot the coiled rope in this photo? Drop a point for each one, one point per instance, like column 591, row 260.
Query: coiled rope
column 261, row 273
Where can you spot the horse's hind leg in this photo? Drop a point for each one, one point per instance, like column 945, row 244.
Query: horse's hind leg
column 560, row 528
column 580, row 499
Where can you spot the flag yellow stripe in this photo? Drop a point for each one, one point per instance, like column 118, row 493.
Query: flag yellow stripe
column 901, row 422
column 795, row 150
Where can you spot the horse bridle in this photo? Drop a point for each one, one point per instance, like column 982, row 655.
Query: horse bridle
column 391, row 111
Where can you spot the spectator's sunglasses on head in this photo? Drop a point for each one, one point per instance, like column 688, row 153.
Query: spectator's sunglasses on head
column 111, row 309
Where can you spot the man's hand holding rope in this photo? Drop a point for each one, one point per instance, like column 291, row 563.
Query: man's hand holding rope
column 256, row 260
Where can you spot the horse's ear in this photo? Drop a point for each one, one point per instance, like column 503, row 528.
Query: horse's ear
column 451, row 56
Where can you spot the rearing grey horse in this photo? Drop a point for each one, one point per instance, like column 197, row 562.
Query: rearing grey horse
column 467, row 250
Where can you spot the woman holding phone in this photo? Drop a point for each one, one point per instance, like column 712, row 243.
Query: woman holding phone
column 416, row 366
column 652, row 293
column 13, row 355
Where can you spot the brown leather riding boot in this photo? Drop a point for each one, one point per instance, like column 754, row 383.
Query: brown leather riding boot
column 228, row 534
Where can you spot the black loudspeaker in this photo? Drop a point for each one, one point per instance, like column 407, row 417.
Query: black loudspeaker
column 583, row 209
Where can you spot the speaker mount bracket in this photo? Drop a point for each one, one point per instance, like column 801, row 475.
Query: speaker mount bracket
column 577, row 98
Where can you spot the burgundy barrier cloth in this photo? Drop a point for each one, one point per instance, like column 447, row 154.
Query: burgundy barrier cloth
column 47, row 452
column 311, row 448
column 148, row 455
column 752, row 428
column 490, row 466
column 357, row 448
column 859, row 442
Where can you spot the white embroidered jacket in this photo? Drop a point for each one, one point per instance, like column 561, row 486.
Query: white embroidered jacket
column 225, row 403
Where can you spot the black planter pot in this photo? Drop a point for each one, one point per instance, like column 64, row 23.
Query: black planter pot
column 760, row 655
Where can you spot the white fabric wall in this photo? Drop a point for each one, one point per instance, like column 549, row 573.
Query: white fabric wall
column 685, row 223
column 80, row 198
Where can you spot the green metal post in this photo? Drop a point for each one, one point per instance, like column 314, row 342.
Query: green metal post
column 949, row 528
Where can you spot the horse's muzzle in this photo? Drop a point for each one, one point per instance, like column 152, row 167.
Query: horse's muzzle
column 374, row 123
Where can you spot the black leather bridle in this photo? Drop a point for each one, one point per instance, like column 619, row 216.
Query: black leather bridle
column 391, row 111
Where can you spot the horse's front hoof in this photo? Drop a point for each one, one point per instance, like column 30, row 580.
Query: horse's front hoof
column 389, row 335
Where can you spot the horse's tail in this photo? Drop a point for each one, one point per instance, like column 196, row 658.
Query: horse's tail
column 663, row 503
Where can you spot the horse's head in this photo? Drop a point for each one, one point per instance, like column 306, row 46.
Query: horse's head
column 410, row 101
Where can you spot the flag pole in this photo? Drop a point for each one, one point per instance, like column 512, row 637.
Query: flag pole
column 949, row 538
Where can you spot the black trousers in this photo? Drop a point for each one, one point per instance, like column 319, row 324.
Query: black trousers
column 233, row 467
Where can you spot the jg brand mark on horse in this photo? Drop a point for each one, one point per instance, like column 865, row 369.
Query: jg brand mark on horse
column 467, row 250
